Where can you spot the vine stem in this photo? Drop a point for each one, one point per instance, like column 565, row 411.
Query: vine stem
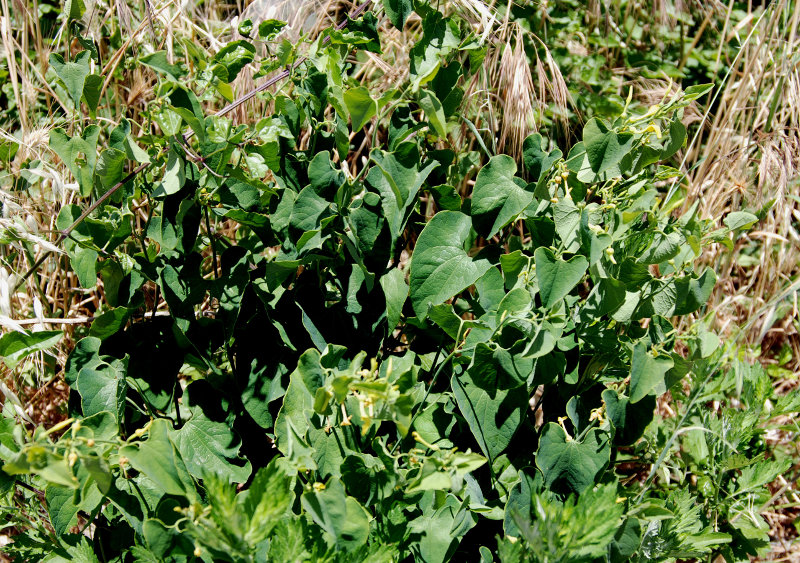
column 64, row 234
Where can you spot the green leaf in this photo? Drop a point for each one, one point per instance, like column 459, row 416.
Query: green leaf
column 397, row 177
column 432, row 107
column 647, row 371
column 174, row 176
column 396, row 291
column 210, row 446
column 360, row 105
column 397, row 11
column 694, row 92
column 569, row 465
column 605, row 148
column 491, row 404
column 91, row 91
column 78, row 153
column 557, row 277
column 234, row 57
column 629, row 420
column 61, row 508
column 103, row 388
column 110, row 168
column 74, row 9
column 339, row 515
column 84, row 264
column 159, row 62
column 16, row 346
column 8, row 150
column 158, row 458
column 440, row 267
column 740, row 220
column 536, row 160
column 662, row 248
column 73, row 74
column 496, row 199
column 693, row 293
column 109, row 323
column 268, row 29
column 606, row 297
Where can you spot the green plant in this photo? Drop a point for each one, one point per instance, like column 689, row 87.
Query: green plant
column 358, row 361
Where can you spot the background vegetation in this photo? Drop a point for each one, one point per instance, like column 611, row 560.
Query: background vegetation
column 262, row 280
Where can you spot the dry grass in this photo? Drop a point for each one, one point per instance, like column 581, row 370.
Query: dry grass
column 747, row 158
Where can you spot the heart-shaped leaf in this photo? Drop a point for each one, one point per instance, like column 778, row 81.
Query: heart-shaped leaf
column 569, row 465
column 440, row 267
column 496, row 198
column 492, row 406
column 557, row 277
column 647, row 371
column 360, row 105
column 73, row 74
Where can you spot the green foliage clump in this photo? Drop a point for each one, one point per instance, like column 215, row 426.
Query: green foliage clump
column 374, row 366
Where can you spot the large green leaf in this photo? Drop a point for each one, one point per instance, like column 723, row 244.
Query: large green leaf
column 397, row 177
column 647, row 371
column 79, row 154
column 360, row 106
column 338, row 514
column 440, row 267
column 73, row 73
column 557, row 277
column 605, row 148
column 160, row 461
column 493, row 405
column 443, row 523
column 569, row 465
column 61, row 508
column 496, row 198
column 210, row 446
column 103, row 388
column 16, row 346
